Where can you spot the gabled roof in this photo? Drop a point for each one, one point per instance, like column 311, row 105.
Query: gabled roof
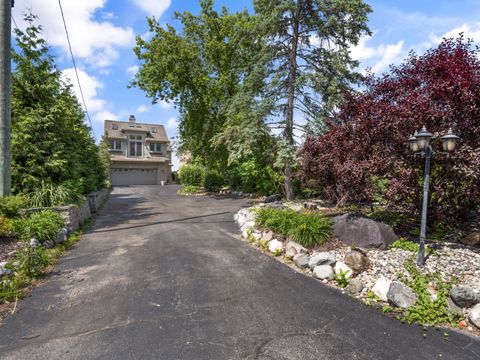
column 124, row 126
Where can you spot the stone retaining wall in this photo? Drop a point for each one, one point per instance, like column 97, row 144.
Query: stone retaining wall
column 75, row 215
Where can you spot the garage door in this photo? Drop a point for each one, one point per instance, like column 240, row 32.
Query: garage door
column 133, row 176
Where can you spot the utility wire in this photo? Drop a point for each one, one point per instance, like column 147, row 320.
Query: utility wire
column 75, row 67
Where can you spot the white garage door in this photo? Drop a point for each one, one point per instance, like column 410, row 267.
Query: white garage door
column 133, row 176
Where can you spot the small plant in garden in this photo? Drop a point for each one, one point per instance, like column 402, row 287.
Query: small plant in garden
column 6, row 228
column 277, row 252
column 188, row 189
column 387, row 309
column 11, row 205
column 308, row 229
column 32, row 261
column 408, row 245
column 342, row 278
column 49, row 194
column 427, row 311
column 392, row 218
column 372, row 298
column 263, row 244
column 43, row 226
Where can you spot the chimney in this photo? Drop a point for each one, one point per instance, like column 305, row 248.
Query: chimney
column 131, row 119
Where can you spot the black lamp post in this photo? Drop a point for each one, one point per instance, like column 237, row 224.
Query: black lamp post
column 421, row 143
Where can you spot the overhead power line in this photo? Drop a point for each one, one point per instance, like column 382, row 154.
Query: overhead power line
column 75, row 68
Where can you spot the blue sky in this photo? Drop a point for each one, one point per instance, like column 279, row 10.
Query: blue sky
column 103, row 34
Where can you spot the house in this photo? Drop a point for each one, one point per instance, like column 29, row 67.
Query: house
column 141, row 153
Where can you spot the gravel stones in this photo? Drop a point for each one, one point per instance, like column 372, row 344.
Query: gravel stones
column 362, row 231
column 356, row 260
column 381, row 287
column 323, row 258
column 323, row 272
column 464, row 296
column 400, row 295
column 474, row 315
column 301, row 260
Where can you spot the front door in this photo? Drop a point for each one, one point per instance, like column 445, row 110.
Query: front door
column 135, row 146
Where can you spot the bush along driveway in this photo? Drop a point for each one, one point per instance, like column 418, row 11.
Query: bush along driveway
column 381, row 273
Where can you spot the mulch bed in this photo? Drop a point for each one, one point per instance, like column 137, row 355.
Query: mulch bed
column 8, row 247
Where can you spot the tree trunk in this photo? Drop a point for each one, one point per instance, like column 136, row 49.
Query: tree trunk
column 292, row 77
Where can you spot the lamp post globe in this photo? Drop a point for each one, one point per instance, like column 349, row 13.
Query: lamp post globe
column 449, row 141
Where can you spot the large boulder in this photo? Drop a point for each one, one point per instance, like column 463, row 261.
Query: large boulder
column 362, row 231
column 323, row 258
column 400, row 295
column 472, row 239
column 464, row 296
column 357, row 260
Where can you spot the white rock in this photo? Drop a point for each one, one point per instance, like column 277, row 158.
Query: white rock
column 298, row 248
column 341, row 267
column 275, row 245
column 290, row 252
column 301, row 260
column 323, row 272
column 34, row 242
column 257, row 235
column 3, row 264
column 474, row 315
column 323, row 258
column 267, row 236
column 381, row 288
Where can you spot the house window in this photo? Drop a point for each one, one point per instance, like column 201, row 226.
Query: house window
column 155, row 147
column 114, row 127
column 135, row 146
column 115, row 144
column 154, row 130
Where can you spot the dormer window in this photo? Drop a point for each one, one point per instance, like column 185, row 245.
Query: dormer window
column 114, row 127
column 154, row 130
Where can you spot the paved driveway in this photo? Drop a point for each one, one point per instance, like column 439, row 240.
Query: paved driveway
column 162, row 277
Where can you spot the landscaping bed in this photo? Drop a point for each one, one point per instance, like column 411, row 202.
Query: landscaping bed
column 445, row 292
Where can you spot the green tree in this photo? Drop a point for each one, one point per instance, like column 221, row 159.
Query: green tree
column 307, row 63
column 201, row 69
column 50, row 142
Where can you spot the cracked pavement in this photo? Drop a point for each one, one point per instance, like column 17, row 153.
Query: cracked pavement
column 161, row 276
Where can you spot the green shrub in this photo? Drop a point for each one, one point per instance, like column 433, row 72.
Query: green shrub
column 43, row 226
column 32, row 261
column 48, row 195
column 213, row 180
column 6, row 227
column 308, row 229
column 191, row 174
column 11, row 205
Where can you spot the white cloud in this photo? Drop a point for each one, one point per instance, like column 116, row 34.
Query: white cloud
column 94, row 41
column 470, row 31
column 172, row 123
column 165, row 105
column 132, row 70
column 103, row 115
column 143, row 108
column 381, row 55
column 90, row 87
column 153, row 7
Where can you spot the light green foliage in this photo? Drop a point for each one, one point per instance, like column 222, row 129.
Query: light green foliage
column 47, row 195
column 11, row 205
column 277, row 252
column 6, row 227
column 404, row 244
column 387, row 309
column 43, row 225
column 390, row 217
column 32, row 261
column 263, row 244
column 427, row 311
column 191, row 174
column 50, row 141
column 381, row 187
column 371, row 298
column 342, row 278
column 188, row 189
column 308, row 229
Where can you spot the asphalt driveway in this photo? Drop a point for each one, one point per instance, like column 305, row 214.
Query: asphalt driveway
column 162, row 277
